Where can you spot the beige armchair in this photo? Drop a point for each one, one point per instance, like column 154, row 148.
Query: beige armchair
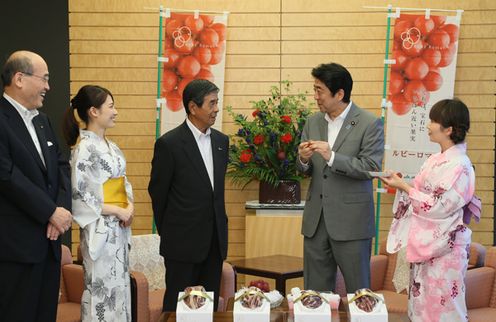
column 480, row 285
column 477, row 255
column 148, row 285
column 71, row 289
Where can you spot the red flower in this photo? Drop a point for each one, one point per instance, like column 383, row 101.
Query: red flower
column 286, row 119
column 258, row 139
column 286, row 138
column 255, row 112
column 245, row 156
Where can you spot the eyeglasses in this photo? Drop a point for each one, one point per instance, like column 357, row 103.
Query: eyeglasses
column 45, row 78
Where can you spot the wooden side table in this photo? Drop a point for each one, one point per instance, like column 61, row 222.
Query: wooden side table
column 278, row 267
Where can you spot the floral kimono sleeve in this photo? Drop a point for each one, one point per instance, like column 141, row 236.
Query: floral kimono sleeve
column 87, row 188
column 129, row 190
column 89, row 171
column 120, row 169
column 436, row 216
column 402, row 212
column 400, row 226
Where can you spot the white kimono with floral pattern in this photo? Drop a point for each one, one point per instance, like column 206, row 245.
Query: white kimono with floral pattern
column 104, row 243
column 428, row 222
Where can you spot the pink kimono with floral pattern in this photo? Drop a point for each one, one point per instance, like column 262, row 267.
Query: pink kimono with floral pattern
column 429, row 223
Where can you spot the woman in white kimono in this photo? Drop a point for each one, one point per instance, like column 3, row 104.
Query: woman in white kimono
column 430, row 221
column 105, row 228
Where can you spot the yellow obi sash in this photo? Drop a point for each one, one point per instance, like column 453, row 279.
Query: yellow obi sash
column 114, row 192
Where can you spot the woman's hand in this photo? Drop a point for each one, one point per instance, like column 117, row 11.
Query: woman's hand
column 125, row 215
column 129, row 221
column 395, row 181
column 113, row 210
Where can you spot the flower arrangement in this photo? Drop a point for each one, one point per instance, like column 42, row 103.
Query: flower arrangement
column 265, row 148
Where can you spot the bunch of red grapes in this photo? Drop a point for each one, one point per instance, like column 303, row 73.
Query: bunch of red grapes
column 421, row 47
column 192, row 46
column 261, row 284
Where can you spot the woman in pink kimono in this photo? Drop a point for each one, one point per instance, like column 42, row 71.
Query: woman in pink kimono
column 429, row 220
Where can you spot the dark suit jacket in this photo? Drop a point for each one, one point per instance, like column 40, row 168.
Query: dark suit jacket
column 344, row 192
column 185, row 207
column 29, row 191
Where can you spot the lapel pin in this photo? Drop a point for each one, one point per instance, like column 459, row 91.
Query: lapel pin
column 353, row 123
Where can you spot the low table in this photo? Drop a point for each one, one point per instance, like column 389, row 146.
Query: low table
column 278, row 267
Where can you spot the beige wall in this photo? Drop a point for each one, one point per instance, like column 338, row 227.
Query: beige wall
column 113, row 43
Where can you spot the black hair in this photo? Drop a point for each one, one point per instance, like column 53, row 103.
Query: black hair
column 335, row 77
column 454, row 113
column 196, row 90
column 88, row 96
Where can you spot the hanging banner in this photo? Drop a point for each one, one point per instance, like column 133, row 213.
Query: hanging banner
column 425, row 51
column 195, row 48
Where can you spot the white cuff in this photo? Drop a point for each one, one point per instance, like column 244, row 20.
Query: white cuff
column 304, row 165
column 331, row 160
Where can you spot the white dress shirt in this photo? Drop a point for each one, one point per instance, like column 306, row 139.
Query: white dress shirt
column 205, row 147
column 27, row 116
column 333, row 128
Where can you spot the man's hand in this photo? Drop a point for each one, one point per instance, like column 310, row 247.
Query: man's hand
column 52, row 232
column 322, row 148
column 304, row 151
column 61, row 219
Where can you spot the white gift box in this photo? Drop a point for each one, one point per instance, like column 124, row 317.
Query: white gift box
column 379, row 314
column 305, row 314
column 203, row 314
column 243, row 314
column 333, row 299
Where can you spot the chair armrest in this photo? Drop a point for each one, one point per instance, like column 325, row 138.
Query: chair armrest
column 139, row 297
column 478, row 287
column 378, row 266
column 227, row 286
column 477, row 255
column 74, row 282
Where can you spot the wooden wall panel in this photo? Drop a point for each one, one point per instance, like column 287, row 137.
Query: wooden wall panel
column 113, row 43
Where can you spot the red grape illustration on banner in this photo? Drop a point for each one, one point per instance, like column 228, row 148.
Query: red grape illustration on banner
column 192, row 46
column 422, row 47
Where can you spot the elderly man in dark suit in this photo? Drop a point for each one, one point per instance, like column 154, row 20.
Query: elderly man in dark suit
column 34, row 195
column 340, row 145
column 187, row 192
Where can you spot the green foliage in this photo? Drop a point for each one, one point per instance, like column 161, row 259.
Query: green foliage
column 265, row 148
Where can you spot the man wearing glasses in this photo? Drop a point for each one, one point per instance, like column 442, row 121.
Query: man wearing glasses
column 35, row 195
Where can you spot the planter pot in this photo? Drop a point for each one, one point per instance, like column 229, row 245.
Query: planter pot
column 287, row 192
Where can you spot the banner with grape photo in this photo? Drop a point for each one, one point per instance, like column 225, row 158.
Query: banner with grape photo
column 195, row 48
column 425, row 52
